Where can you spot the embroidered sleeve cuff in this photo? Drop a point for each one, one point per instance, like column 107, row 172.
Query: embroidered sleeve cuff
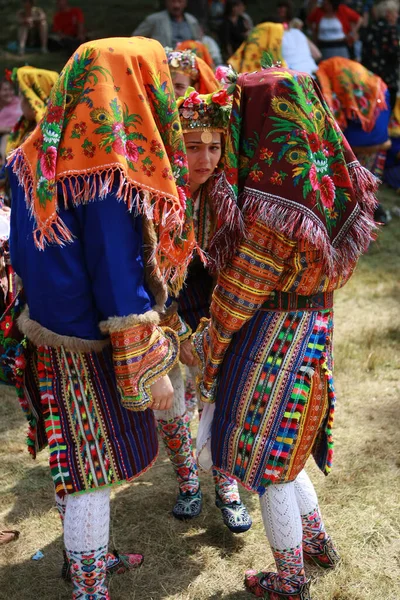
column 207, row 386
column 142, row 353
column 171, row 319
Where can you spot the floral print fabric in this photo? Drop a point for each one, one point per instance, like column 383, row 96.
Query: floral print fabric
column 112, row 117
column 351, row 91
column 289, row 162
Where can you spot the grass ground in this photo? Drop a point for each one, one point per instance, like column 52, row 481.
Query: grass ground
column 202, row 560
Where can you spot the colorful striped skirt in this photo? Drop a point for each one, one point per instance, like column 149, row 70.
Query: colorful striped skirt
column 275, row 398
column 93, row 440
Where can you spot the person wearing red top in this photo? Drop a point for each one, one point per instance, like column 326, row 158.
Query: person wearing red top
column 335, row 27
column 68, row 27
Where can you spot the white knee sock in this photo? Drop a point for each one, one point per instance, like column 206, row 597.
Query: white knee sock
column 86, row 532
column 282, row 522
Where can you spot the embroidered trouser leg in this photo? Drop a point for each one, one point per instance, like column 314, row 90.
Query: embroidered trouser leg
column 282, row 522
column 86, row 532
column 313, row 526
column 173, row 426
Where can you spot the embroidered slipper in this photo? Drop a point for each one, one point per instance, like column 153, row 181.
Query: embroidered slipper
column 234, row 515
column 120, row 563
column 261, row 585
column 8, row 535
column 116, row 564
column 321, row 552
column 188, row 505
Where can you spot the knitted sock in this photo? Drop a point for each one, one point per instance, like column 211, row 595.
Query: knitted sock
column 86, row 531
column 282, row 523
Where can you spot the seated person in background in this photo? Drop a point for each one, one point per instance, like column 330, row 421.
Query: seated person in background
column 10, row 112
column 68, row 27
column 32, row 27
column 170, row 26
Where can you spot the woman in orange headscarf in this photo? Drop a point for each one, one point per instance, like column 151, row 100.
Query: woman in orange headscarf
column 199, row 49
column 100, row 188
column 188, row 70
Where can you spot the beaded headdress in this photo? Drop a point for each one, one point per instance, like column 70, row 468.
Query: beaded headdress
column 183, row 61
column 204, row 112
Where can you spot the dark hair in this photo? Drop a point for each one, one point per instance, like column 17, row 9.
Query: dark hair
column 335, row 4
column 229, row 5
column 289, row 8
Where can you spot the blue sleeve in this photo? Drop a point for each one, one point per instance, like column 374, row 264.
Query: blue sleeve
column 71, row 288
column 113, row 251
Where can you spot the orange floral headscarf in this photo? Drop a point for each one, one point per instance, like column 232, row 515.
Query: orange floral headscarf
column 351, row 91
column 111, row 117
column 187, row 62
column 199, row 49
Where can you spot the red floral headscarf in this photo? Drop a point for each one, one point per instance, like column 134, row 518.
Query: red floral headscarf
column 289, row 163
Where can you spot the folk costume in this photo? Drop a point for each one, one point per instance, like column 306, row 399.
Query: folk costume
column 360, row 103
column 100, row 232
column 267, row 350
column 186, row 61
column 204, row 114
column 35, row 86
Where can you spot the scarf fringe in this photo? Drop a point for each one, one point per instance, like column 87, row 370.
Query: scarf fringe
column 231, row 228
column 299, row 223
column 82, row 188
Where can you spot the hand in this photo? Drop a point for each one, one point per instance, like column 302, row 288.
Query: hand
column 162, row 393
column 186, row 354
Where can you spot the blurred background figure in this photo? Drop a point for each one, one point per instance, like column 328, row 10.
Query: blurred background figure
column 10, row 112
column 235, row 26
column 34, row 86
column 381, row 51
column 68, row 30
column 265, row 37
column 360, row 103
column 32, row 27
column 335, row 26
column 392, row 166
column 170, row 26
column 298, row 51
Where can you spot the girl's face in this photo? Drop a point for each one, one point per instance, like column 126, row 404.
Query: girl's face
column 181, row 83
column 6, row 93
column 202, row 157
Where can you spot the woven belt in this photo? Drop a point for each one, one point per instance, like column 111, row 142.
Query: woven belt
column 287, row 301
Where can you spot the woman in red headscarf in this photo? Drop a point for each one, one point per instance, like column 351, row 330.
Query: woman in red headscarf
column 267, row 349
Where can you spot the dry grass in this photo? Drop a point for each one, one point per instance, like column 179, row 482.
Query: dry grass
column 202, row 560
